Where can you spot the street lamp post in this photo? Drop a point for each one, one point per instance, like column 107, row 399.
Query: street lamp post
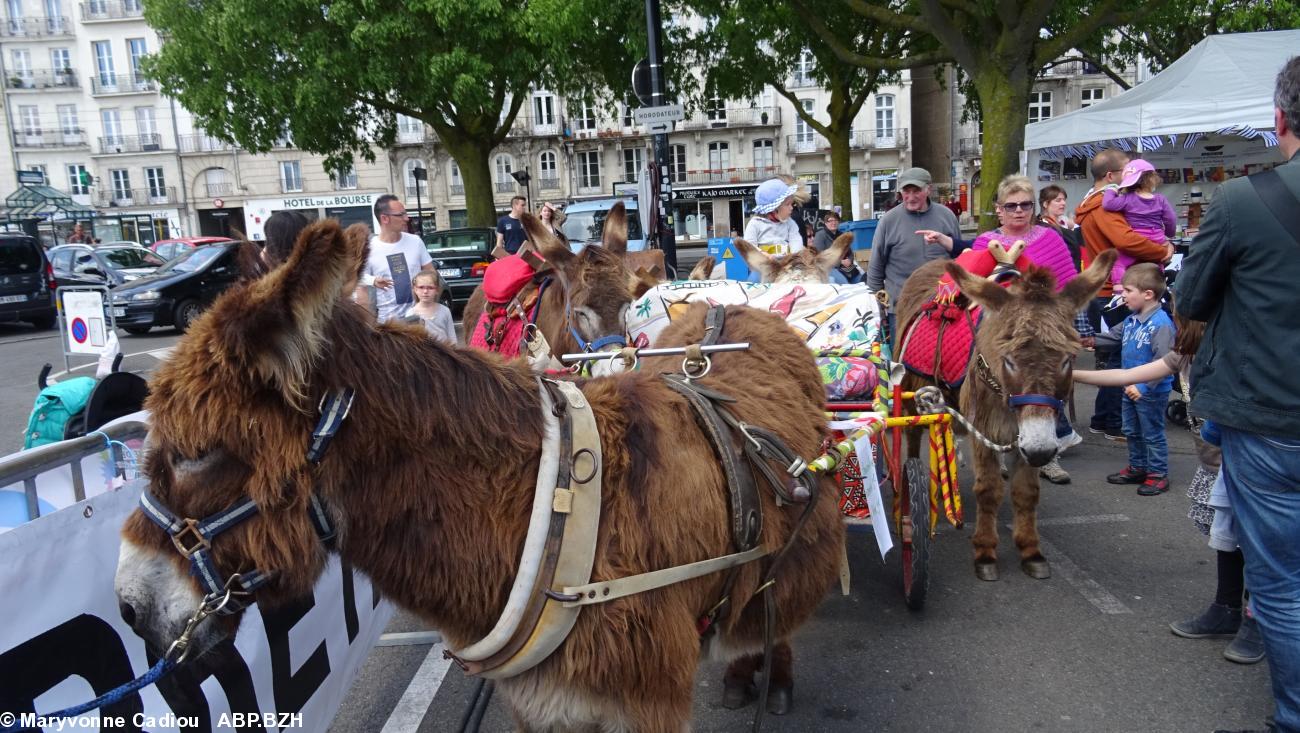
column 419, row 174
column 523, row 179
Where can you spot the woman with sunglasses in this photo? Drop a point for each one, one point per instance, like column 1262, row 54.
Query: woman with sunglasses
column 1043, row 245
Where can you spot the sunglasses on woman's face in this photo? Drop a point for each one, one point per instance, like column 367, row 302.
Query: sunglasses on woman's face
column 1018, row 206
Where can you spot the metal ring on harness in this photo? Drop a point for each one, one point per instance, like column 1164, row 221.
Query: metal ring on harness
column 590, row 474
column 696, row 369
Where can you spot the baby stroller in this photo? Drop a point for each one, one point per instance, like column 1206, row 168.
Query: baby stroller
column 74, row 407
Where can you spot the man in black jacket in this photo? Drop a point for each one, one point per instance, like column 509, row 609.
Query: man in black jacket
column 1242, row 276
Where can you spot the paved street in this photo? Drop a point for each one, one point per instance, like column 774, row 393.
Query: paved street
column 1087, row 650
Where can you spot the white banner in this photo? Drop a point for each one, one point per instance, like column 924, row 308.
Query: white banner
column 63, row 642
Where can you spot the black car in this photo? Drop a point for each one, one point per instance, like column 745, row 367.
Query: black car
column 26, row 281
column 178, row 291
column 461, row 256
column 111, row 265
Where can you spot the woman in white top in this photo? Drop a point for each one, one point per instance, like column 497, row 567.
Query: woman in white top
column 772, row 223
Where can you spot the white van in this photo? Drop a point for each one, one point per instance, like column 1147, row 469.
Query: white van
column 584, row 223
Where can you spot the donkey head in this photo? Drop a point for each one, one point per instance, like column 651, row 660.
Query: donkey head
column 1028, row 344
column 805, row 266
column 232, row 411
column 597, row 284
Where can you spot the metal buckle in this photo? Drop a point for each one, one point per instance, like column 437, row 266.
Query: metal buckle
column 191, row 529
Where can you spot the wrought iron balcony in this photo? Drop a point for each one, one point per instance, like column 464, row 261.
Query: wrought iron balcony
column 43, row 79
column 457, row 189
column 121, row 84
column 736, row 117
column 731, row 175
column 219, row 189
column 198, row 142
column 800, row 81
column 969, row 147
column 548, row 183
column 96, row 10
column 136, row 197
column 130, row 144
column 551, row 126
column 42, row 26
column 53, row 139
column 504, row 186
column 891, row 139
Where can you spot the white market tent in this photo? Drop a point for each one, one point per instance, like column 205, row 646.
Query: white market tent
column 1223, row 85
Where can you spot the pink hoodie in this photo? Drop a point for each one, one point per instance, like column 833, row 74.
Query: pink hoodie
column 1044, row 247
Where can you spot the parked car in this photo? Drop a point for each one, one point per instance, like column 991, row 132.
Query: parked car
column 170, row 248
column 584, row 223
column 26, row 281
column 461, row 256
column 178, row 291
column 106, row 264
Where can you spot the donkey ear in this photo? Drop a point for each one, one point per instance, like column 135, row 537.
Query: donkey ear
column 1079, row 291
column 984, row 292
column 640, row 282
column 830, row 259
column 703, row 268
column 614, row 237
column 276, row 328
column 758, row 260
column 555, row 251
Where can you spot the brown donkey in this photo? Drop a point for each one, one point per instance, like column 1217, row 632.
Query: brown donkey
column 430, row 483
column 1018, row 376
column 587, row 300
column 805, row 266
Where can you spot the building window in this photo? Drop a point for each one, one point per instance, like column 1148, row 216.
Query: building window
column 408, row 175
column 764, row 154
column 884, row 115
column 589, row 169
column 586, row 117
column 719, row 157
column 409, row 129
column 78, row 180
column 346, row 180
column 137, row 48
column 1040, row 106
column 677, row 163
column 547, row 166
column 803, row 132
column 112, row 126
column 628, row 115
column 502, row 165
column 1090, row 96
column 22, row 67
column 803, row 69
column 61, row 63
column 290, row 176
column 543, row 109
column 458, row 218
column 633, row 164
column 68, row 119
column 454, row 180
column 147, row 125
column 717, row 111
column 157, row 184
column 121, row 185
column 30, row 121
column 104, row 63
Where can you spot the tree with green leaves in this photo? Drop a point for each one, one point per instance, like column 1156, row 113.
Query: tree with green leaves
column 1001, row 47
column 750, row 45
column 334, row 76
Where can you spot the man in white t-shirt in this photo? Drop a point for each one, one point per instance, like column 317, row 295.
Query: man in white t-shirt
column 395, row 256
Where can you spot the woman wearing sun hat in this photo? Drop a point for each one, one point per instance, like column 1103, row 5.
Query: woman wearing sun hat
column 772, row 224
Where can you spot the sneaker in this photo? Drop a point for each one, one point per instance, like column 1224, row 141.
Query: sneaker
column 1216, row 621
column 1096, row 430
column 1129, row 475
column 1154, row 486
column 1054, row 473
column 1247, row 647
column 1115, row 434
column 1068, row 442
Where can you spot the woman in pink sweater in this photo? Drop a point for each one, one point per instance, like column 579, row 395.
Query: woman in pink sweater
column 1043, row 246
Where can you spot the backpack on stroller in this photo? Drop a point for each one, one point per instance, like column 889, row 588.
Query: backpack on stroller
column 75, row 407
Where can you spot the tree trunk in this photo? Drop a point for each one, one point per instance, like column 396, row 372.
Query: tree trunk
column 472, row 156
column 1004, row 103
column 840, row 151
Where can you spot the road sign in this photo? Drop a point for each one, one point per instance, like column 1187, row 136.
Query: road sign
column 84, row 316
column 659, row 128
column 665, row 113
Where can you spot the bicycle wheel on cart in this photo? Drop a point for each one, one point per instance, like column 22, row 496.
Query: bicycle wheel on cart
column 916, row 548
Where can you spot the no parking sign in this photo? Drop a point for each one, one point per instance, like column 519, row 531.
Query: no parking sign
column 83, row 321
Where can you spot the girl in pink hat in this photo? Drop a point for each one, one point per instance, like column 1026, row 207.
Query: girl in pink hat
column 1148, row 212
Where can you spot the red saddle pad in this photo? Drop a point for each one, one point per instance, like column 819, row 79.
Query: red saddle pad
column 939, row 342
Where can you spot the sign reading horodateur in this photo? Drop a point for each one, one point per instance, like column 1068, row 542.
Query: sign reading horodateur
column 63, row 642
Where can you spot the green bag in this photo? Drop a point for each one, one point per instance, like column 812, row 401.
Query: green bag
column 55, row 407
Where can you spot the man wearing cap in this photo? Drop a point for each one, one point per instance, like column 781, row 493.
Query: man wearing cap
column 772, row 223
column 898, row 247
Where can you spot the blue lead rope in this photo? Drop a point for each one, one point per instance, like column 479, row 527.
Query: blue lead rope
column 163, row 667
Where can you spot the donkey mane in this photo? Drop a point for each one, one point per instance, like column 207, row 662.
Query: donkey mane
column 1021, row 328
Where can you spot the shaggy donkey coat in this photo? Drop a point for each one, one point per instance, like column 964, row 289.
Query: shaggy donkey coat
column 1027, row 338
column 431, row 482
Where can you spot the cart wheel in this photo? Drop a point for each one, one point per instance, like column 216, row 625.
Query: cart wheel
column 916, row 551
column 1176, row 411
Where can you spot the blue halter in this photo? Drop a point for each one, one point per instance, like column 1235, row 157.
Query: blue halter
column 1043, row 400
column 616, row 339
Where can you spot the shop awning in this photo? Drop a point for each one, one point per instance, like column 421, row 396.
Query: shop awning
column 1223, row 85
column 44, row 202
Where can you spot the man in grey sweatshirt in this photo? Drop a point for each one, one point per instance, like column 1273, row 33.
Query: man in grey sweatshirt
column 897, row 249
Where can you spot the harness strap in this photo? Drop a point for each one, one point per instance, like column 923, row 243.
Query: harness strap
column 610, row 590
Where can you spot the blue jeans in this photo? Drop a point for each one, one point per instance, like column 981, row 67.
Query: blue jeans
column 1262, row 475
column 1144, row 428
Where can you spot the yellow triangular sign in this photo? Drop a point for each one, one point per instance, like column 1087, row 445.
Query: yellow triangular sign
column 726, row 254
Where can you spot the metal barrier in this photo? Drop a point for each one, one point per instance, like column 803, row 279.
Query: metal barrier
column 27, row 465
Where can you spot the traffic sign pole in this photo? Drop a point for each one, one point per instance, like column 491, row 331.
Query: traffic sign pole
column 667, row 237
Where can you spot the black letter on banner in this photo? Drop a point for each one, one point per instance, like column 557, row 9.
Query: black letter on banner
column 350, row 603
column 293, row 689
column 85, row 647
column 184, row 696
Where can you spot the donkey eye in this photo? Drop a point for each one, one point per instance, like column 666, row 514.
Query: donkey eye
column 1009, row 365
